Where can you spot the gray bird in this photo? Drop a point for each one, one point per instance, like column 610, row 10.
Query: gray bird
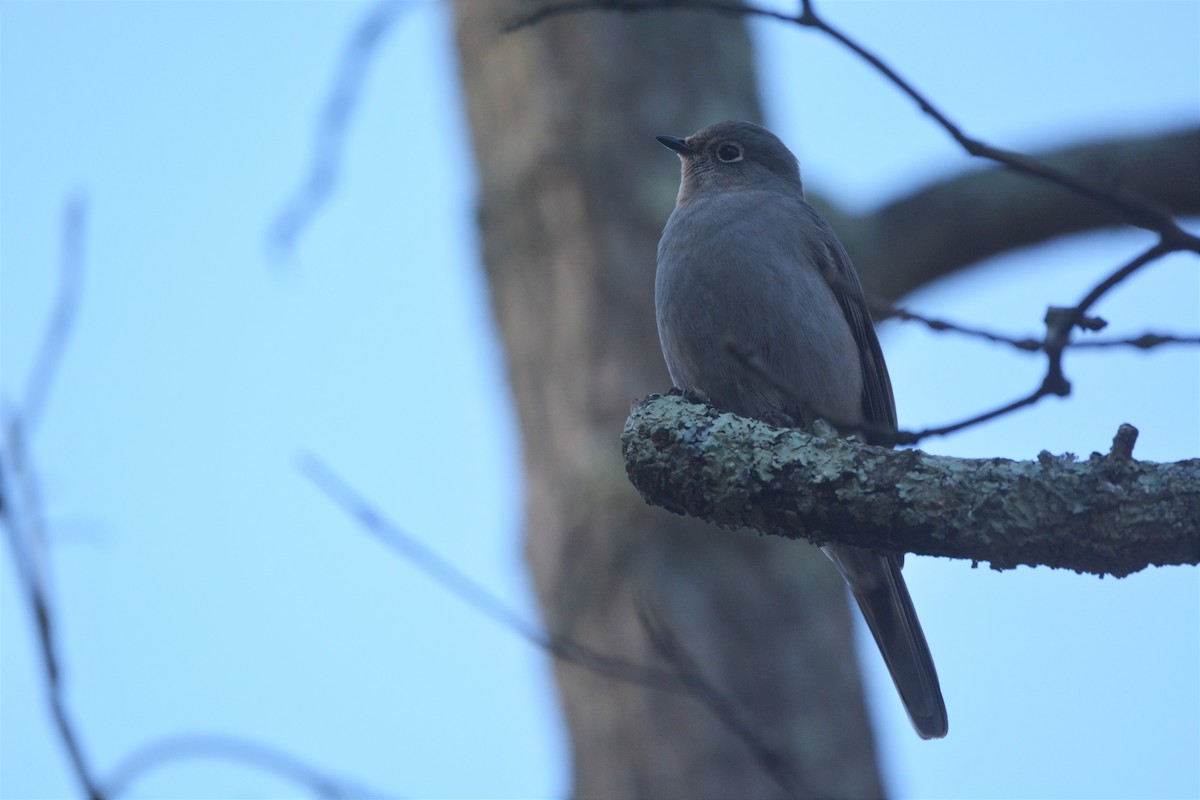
column 761, row 313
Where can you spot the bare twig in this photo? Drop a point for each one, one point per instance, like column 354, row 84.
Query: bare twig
column 667, row 645
column 729, row 9
column 937, row 229
column 340, row 106
column 180, row 747
column 913, row 437
column 22, row 517
column 1143, row 341
column 21, row 506
column 44, row 622
column 883, row 312
column 58, row 326
column 1132, row 207
column 1059, row 323
column 683, row 676
column 470, row 592
column 882, row 435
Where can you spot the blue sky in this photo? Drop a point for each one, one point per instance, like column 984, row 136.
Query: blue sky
column 202, row 584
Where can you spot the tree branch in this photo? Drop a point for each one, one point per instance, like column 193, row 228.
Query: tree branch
column 1060, row 322
column 1108, row 515
column 21, row 513
column 987, row 212
column 683, row 675
column 1118, row 199
column 1130, row 206
column 187, row 746
column 333, row 127
column 22, row 518
column 1143, row 341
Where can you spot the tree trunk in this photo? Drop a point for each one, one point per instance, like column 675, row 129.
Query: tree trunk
column 574, row 193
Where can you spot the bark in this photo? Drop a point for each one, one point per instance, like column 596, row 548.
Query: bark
column 1108, row 515
column 573, row 195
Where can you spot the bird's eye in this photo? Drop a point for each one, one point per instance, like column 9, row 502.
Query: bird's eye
column 729, row 152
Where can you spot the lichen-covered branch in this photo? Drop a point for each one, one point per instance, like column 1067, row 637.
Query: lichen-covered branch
column 1107, row 515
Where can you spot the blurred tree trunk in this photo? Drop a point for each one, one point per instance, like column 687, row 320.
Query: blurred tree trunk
column 574, row 192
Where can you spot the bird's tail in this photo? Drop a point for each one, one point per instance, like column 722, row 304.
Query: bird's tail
column 878, row 586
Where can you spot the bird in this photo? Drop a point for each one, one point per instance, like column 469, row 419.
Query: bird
column 761, row 313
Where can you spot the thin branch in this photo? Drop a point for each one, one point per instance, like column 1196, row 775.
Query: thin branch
column 729, row 9
column 463, row 587
column 1143, row 341
column 21, row 506
column 299, row 211
column 913, row 437
column 1135, row 209
column 23, row 521
column 1132, row 207
column 997, row 210
column 667, row 645
column 1103, row 287
column 181, row 747
column 1059, row 324
column 1129, row 205
column 683, row 677
column 58, row 327
column 883, row 312
column 44, row 623
column 874, row 432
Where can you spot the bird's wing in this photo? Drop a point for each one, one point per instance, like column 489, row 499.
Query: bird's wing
column 878, row 404
column 874, row 578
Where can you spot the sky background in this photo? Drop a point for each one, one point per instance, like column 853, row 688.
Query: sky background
column 202, row 585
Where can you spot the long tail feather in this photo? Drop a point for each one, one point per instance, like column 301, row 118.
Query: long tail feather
column 875, row 580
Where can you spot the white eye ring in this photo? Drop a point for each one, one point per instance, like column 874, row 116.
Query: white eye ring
column 729, row 152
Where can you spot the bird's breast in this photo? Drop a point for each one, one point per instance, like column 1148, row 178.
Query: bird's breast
column 745, row 316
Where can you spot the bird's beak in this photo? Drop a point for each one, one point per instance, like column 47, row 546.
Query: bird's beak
column 675, row 143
